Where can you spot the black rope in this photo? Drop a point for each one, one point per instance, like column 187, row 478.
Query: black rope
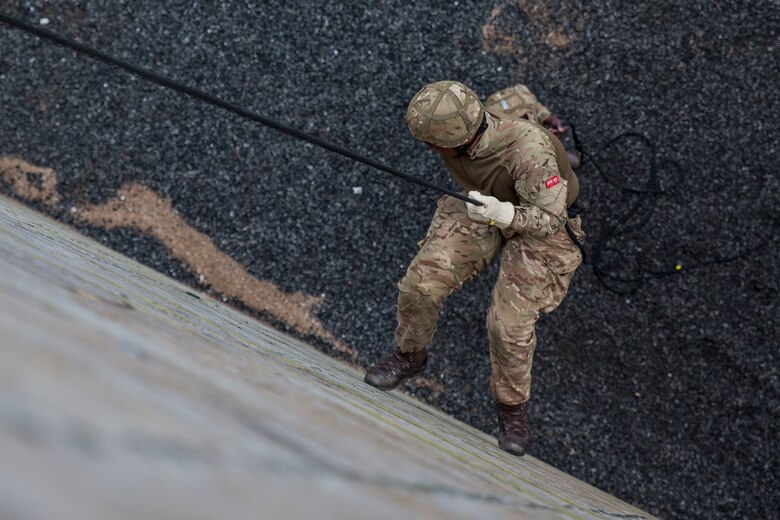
column 641, row 212
column 212, row 100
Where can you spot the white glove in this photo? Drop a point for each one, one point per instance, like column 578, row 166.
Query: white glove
column 493, row 211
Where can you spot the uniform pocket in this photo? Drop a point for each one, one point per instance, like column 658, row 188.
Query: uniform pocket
column 449, row 212
column 560, row 252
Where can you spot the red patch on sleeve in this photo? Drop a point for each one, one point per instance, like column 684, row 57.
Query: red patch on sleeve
column 552, row 181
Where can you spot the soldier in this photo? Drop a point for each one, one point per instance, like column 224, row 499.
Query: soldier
column 520, row 173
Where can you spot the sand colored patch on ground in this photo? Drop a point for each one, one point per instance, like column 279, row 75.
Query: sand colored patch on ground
column 138, row 207
column 30, row 182
column 494, row 40
column 540, row 18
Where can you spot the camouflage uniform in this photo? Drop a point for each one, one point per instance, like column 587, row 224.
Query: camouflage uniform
column 518, row 101
column 514, row 160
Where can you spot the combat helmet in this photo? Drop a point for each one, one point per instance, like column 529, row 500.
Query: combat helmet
column 445, row 113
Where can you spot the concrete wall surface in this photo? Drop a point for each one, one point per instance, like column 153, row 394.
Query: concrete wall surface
column 126, row 395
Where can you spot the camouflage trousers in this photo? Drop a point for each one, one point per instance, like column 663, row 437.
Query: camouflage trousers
column 533, row 278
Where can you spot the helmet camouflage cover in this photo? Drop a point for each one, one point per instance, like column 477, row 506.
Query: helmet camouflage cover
column 445, row 113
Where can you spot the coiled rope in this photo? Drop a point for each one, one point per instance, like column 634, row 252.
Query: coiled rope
column 606, row 269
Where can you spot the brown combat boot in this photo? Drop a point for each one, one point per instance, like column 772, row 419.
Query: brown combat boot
column 514, row 433
column 395, row 368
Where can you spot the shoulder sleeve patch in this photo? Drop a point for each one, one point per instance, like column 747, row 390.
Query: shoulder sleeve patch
column 552, row 181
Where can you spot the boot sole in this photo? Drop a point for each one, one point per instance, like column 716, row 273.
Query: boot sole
column 516, row 453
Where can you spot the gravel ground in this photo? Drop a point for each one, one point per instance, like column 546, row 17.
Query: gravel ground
column 667, row 397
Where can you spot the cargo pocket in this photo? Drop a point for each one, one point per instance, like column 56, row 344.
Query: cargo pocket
column 435, row 221
column 561, row 254
column 566, row 262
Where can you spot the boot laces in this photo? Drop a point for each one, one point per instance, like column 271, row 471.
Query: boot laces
column 515, row 417
column 397, row 361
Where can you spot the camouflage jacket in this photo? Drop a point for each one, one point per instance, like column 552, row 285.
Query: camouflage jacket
column 521, row 162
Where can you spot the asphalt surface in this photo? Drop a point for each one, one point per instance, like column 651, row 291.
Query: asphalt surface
column 667, row 397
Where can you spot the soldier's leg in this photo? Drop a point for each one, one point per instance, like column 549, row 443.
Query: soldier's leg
column 526, row 287
column 454, row 251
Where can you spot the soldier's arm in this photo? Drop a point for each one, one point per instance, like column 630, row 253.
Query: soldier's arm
column 541, row 190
